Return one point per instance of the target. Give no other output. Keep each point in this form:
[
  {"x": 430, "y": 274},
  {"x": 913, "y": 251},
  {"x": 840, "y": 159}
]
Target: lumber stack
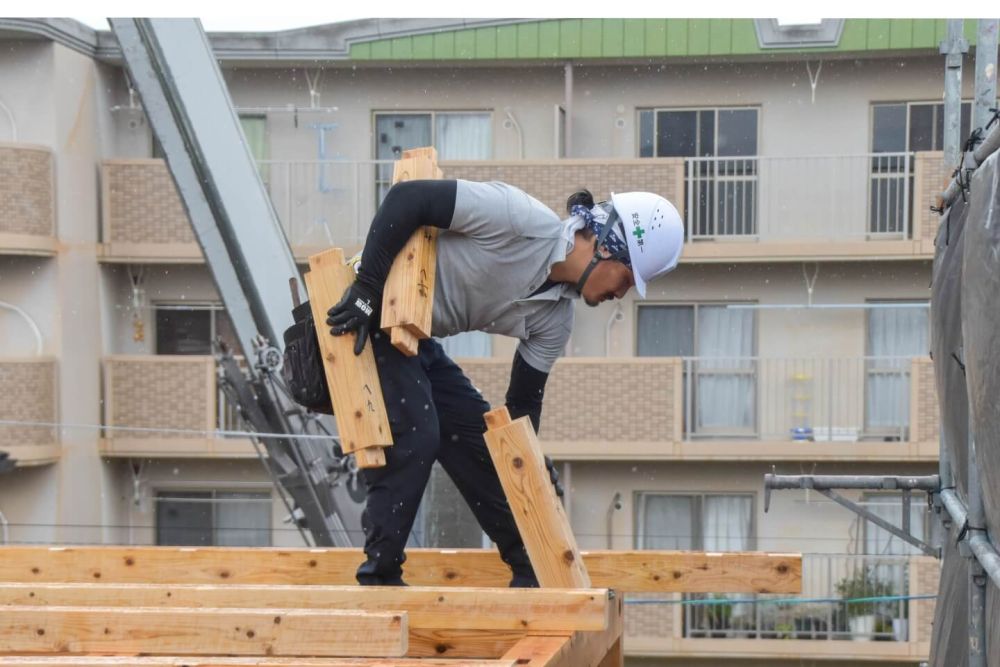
[{"x": 105, "y": 623}]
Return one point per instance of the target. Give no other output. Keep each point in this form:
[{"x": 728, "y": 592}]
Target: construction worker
[{"x": 506, "y": 264}]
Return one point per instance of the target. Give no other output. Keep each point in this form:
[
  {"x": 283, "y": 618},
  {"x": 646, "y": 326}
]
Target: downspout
[
  {"x": 4, "y": 536},
  {"x": 568, "y": 105}
]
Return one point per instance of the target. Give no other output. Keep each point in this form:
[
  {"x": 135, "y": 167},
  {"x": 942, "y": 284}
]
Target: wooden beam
[
  {"x": 145, "y": 630},
  {"x": 213, "y": 661},
  {"x": 408, "y": 297},
  {"x": 445, "y": 643},
  {"x": 589, "y": 649},
  {"x": 625, "y": 571},
  {"x": 453, "y": 608},
  {"x": 539, "y": 515},
  {"x": 362, "y": 421}
]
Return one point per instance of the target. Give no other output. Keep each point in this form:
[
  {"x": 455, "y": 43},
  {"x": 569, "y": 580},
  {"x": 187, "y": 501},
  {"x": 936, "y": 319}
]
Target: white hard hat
[{"x": 654, "y": 233}]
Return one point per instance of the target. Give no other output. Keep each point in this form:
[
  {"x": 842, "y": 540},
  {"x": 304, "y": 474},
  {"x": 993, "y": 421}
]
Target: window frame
[
  {"x": 433, "y": 113},
  {"x": 214, "y": 308},
  {"x": 637, "y": 306},
  {"x": 160, "y": 489},
  {"x": 915, "y": 503},
  {"x": 698, "y": 506},
  {"x": 697, "y": 109},
  {"x": 906, "y": 132}
]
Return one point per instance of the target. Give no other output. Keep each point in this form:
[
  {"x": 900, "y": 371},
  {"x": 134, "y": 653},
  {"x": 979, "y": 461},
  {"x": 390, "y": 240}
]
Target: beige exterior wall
[{"x": 605, "y": 101}]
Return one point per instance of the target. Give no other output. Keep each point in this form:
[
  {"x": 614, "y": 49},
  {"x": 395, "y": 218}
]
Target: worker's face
[{"x": 608, "y": 280}]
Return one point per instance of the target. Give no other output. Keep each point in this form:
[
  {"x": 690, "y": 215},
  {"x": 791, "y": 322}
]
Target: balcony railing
[
  {"x": 818, "y": 612},
  {"x": 325, "y": 202},
  {"x": 168, "y": 405},
  {"x": 859, "y": 197},
  {"x": 893, "y": 604},
  {"x": 846, "y": 400}
]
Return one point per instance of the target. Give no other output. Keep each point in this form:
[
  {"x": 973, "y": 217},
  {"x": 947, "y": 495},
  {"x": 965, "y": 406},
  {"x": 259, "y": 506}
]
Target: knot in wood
[
  {"x": 568, "y": 556},
  {"x": 517, "y": 462}
]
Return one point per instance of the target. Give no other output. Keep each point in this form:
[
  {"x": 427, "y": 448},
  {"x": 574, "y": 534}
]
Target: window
[
  {"x": 721, "y": 178},
  {"x": 889, "y": 506},
  {"x": 898, "y": 129},
  {"x": 718, "y": 343},
  {"x": 213, "y": 518},
  {"x": 897, "y": 331},
  {"x": 465, "y": 135},
  {"x": 694, "y": 522},
  {"x": 913, "y": 126},
  {"x": 189, "y": 328}
]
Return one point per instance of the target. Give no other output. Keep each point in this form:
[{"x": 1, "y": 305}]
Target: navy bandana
[{"x": 614, "y": 241}]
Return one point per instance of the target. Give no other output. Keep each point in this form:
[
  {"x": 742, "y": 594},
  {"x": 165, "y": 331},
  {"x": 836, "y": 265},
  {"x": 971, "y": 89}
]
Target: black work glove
[
  {"x": 554, "y": 476},
  {"x": 354, "y": 313}
]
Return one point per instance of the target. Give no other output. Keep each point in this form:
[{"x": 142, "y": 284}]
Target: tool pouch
[{"x": 303, "y": 370}]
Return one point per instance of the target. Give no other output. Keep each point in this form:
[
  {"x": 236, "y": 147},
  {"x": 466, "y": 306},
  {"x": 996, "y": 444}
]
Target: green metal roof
[{"x": 640, "y": 38}]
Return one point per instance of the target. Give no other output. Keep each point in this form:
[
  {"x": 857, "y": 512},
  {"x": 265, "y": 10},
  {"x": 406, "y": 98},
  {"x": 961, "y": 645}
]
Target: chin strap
[{"x": 613, "y": 219}]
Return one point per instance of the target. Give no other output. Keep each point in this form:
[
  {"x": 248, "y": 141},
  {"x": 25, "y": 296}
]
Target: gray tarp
[{"x": 965, "y": 323}]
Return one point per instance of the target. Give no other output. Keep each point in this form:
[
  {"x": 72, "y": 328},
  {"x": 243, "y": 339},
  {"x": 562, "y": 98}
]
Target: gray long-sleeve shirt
[{"x": 499, "y": 249}]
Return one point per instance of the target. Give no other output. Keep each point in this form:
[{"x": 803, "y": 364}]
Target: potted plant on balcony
[{"x": 861, "y": 616}]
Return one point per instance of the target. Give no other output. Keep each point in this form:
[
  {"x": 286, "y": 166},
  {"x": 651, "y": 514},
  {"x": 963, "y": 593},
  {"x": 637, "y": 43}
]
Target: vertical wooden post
[
  {"x": 408, "y": 298},
  {"x": 540, "y": 516},
  {"x": 355, "y": 390}
]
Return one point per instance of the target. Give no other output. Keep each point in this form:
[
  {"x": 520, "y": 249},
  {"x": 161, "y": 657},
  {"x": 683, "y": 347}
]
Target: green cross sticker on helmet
[{"x": 656, "y": 236}]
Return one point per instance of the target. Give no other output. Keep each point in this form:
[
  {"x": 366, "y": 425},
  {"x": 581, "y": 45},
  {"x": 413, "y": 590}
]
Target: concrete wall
[{"x": 605, "y": 102}]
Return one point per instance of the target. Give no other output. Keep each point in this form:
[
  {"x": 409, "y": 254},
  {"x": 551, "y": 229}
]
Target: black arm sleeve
[
  {"x": 408, "y": 206},
  {"x": 526, "y": 391}
]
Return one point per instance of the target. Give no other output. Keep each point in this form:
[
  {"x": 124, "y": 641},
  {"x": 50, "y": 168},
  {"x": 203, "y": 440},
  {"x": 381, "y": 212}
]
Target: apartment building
[{"x": 793, "y": 336}]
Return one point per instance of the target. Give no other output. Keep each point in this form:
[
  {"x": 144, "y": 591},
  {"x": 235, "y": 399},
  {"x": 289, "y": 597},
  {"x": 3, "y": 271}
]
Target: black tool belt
[{"x": 303, "y": 370}]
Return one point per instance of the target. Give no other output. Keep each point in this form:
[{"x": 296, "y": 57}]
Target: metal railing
[
  {"x": 853, "y": 197},
  {"x": 849, "y": 399},
  {"x": 325, "y": 202},
  {"x": 819, "y": 612}
]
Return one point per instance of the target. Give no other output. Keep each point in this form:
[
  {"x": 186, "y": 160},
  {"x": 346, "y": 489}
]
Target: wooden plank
[
  {"x": 183, "y": 630},
  {"x": 404, "y": 340},
  {"x": 216, "y": 661},
  {"x": 625, "y": 571},
  {"x": 446, "y": 643},
  {"x": 455, "y": 608},
  {"x": 362, "y": 420},
  {"x": 592, "y": 649},
  {"x": 408, "y": 297},
  {"x": 539, "y": 651},
  {"x": 539, "y": 515}
]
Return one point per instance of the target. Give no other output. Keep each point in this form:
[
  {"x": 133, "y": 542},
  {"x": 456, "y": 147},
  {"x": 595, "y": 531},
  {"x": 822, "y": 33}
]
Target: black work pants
[{"x": 435, "y": 414}]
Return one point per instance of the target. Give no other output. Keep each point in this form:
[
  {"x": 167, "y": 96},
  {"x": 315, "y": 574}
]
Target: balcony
[
  {"x": 873, "y": 206},
  {"x": 27, "y": 200},
  {"x": 30, "y": 390},
  {"x": 168, "y": 407},
  {"x": 761, "y": 409},
  {"x": 735, "y": 209},
  {"x": 812, "y": 625},
  {"x": 319, "y": 204},
  {"x": 861, "y": 409}
]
